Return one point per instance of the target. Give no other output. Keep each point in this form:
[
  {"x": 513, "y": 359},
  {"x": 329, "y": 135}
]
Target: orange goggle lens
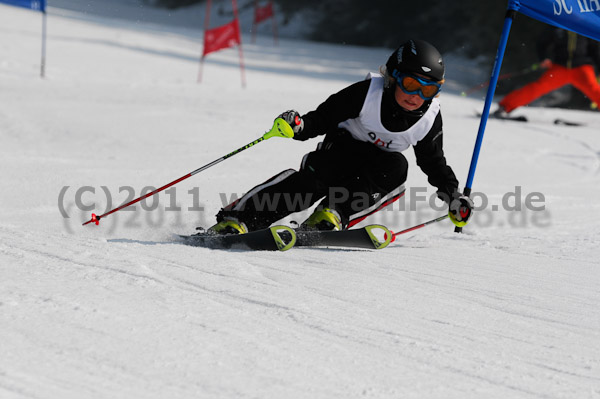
[{"x": 411, "y": 84}]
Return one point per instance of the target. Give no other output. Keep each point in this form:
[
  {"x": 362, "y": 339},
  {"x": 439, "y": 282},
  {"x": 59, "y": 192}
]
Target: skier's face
[{"x": 409, "y": 102}]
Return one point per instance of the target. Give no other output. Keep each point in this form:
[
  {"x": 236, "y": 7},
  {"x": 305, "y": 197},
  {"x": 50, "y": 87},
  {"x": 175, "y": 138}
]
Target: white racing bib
[{"x": 368, "y": 127}]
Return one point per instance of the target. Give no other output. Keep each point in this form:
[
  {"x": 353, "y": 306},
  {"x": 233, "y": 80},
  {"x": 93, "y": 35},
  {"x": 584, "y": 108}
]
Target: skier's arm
[
  {"x": 343, "y": 105},
  {"x": 430, "y": 158}
]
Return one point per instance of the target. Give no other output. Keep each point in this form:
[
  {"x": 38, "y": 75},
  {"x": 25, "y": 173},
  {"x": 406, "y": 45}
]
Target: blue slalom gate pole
[{"x": 513, "y": 7}]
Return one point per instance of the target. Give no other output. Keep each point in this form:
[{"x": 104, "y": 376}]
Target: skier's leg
[
  {"x": 285, "y": 193},
  {"x": 289, "y": 191},
  {"x": 584, "y": 79},
  {"x": 370, "y": 180}
]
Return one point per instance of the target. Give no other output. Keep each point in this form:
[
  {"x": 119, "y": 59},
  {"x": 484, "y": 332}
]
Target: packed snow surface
[{"x": 508, "y": 309}]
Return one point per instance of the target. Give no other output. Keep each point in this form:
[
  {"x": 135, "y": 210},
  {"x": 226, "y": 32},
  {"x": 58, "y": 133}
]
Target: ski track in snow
[
  {"x": 572, "y": 159},
  {"x": 506, "y": 310}
]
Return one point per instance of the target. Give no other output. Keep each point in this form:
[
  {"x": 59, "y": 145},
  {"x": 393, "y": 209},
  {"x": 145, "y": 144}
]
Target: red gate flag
[
  {"x": 263, "y": 13},
  {"x": 224, "y": 36}
]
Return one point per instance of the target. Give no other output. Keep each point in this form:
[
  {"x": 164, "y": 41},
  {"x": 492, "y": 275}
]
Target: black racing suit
[{"x": 351, "y": 176}]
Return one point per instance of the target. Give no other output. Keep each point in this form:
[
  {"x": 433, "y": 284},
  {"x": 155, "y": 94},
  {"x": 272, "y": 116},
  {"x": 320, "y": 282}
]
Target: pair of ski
[{"x": 282, "y": 238}]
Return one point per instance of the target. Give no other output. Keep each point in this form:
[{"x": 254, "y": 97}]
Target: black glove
[
  {"x": 292, "y": 117},
  {"x": 461, "y": 209}
]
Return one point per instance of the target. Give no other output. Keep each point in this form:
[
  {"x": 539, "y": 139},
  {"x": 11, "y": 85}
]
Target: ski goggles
[{"x": 412, "y": 84}]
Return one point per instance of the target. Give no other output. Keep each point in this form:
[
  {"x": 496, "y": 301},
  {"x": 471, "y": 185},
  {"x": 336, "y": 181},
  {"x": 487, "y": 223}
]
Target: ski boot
[
  {"x": 228, "y": 226},
  {"x": 500, "y": 113},
  {"x": 323, "y": 219}
]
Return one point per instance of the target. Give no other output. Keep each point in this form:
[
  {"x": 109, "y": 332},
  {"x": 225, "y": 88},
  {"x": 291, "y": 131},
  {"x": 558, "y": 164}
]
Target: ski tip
[
  {"x": 377, "y": 230},
  {"x": 284, "y": 236}
]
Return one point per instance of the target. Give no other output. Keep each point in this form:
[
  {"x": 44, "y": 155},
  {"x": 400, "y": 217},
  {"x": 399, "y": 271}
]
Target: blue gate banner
[
  {"x": 579, "y": 16},
  {"x": 31, "y": 4}
]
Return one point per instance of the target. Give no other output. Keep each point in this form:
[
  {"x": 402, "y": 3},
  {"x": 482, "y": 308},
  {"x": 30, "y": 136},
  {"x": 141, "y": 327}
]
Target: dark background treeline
[
  {"x": 471, "y": 26},
  {"x": 468, "y": 27}
]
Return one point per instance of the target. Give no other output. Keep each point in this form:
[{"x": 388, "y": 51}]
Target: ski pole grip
[
  {"x": 280, "y": 129},
  {"x": 467, "y": 192}
]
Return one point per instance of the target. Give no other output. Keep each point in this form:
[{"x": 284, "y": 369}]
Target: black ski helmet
[{"x": 416, "y": 56}]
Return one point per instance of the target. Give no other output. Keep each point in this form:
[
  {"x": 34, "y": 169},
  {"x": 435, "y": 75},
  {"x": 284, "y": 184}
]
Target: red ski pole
[
  {"x": 419, "y": 226},
  {"x": 280, "y": 129}
]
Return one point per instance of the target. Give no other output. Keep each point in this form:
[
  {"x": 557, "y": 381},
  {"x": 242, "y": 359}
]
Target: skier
[
  {"x": 359, "y": 168},
  {"x": 568, "y": 59}
]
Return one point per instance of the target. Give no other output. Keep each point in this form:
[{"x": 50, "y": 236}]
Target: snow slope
[{"x": 509, "y": 309}]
